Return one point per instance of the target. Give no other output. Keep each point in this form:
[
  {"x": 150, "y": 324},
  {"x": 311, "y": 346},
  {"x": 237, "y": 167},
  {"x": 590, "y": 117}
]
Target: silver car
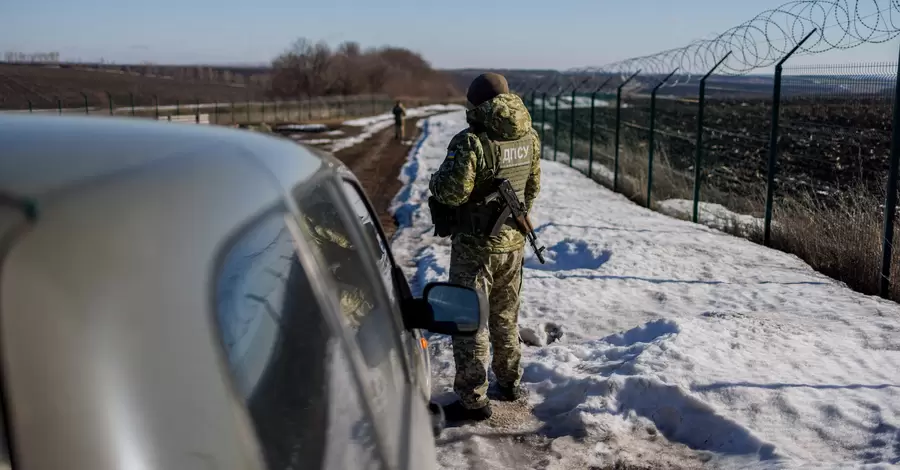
[{"x": 175, "y": 296}]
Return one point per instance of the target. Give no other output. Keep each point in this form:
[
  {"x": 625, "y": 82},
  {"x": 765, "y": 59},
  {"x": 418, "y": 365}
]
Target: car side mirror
[{"x": 448, "y": 309}]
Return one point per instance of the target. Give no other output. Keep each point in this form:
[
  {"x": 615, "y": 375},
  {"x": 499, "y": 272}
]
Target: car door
[
  {"x": 341, "y": 243},
  {"x": 285, "y": 356},
  {"x": 412, "y": 340}
]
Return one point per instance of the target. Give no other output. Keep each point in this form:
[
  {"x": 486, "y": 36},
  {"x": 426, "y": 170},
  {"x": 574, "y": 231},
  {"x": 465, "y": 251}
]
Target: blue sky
[{"x": 461, "y": 33}]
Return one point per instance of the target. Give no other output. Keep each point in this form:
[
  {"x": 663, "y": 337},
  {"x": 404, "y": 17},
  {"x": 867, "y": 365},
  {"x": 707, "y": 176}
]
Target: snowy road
[{"x": 681, "y": 346}]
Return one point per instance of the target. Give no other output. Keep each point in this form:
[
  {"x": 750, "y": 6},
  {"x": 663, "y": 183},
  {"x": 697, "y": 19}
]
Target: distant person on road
[
  {"x": 499, "y": 143},
  {"x": 399, "y": 113}
]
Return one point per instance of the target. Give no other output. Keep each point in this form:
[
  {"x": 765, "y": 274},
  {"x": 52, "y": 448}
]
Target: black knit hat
[{"x": 485, "y": 87}]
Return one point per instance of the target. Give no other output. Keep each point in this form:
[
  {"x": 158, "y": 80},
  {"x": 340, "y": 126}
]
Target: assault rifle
[{"x": 512, "y": 209}]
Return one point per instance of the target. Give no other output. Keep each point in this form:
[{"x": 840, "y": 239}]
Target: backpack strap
[{"x": 490, "y": 152}]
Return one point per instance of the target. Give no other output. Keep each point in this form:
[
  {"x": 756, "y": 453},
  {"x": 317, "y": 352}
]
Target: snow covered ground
[
  {"x": 712, "y": 215},
  {"x": 373, "y": 125},
  {"x": 681, "y": 346},
  {"x": 565, "y": 102}
]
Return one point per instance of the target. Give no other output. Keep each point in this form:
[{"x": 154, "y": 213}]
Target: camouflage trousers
[
  {"x": 398, "y": 130},
  {"x": 499, "y": 276}
]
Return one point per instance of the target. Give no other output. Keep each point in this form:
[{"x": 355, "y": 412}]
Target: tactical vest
[{"x": 510, "y": 160}]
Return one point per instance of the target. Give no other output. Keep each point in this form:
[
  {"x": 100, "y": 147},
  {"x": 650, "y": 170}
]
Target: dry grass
[
  {"x": 839, "y": 236},
  {"x": 633, "y": 174}
]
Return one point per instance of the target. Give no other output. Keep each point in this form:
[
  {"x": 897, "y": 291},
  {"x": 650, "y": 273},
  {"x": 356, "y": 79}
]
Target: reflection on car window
[
  {"x": 366, "y": 310},
  {"x": 371, "y": 232},
  {"x": 280, "y": 352}
]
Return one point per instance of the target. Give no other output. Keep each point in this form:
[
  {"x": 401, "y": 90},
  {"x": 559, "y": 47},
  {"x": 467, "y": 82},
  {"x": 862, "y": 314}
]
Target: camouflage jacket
[
  {"x": 503, "y": 118},
  {"x": 399, "y": 112}
]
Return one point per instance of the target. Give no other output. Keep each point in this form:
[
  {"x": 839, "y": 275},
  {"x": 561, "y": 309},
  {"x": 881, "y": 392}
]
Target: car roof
[
  {"x": 43, "y": 154},
  {"x": 116, "y": 280}
]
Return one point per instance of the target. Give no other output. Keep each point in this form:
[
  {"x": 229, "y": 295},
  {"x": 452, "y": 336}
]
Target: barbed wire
[{"x": 763, "y": 40}]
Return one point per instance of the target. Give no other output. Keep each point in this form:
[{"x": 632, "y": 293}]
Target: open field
[
  {"x": 825, "y": 146},
  {"x": 43, "y": 85}
]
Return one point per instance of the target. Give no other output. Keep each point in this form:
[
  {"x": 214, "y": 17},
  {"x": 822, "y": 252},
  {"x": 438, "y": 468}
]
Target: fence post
[
  {"x": 543, "y": 120},
  {"x": 572, "y": 128},
  {"x": 533, "y": 96},
  {"x": 156, "y": 104},
  {"x": 110, "y": 100},
  {"x": 556, "y": 126},
  {"x": 591, "y": 142},
  {"x": 698, "y": 159},
  {"x": 59, "y": 104},
  {"x": 618, "y": 129},
  {"x": 197, "y": 110},
  {"x": 131, "y": 102},
  {"x": 30, "y": 107},
  {"x": 653, "y": 134},
  {"x": 83, "y": 95},
  {"x": 773, "y": 141},
  {"x": 890, "y": 203}
]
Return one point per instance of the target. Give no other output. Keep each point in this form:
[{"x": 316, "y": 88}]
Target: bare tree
[{"x": 314, "y": 69}]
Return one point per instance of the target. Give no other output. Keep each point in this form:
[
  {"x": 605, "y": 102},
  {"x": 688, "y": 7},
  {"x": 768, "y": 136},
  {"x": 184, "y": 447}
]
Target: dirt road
[{"x": 376, "y": 162}]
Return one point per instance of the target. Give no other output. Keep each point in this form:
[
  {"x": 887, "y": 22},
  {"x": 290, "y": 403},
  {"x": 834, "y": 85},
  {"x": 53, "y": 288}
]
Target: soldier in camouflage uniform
[
  {"x": 399, "y": 113},
  {"x": 499, "y": 143}
]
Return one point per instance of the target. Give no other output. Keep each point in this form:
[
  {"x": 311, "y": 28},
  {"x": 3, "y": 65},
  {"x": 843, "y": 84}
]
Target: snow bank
[
  {"x": 314, "y": 141},
  {"x": 680, "y": 346},
  {"x": 302, "y": 127},
  {"x": 375, "y": 124},
  {"x": 712, "y": 215},
  {"x": 413, "y": 112},
  {"x": 565, "y": 102}
]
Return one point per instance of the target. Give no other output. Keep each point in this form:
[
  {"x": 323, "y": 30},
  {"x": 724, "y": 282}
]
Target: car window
[
  {"x": 418, "y": 359},
  {"x": 368, "y": 222},
  {"x": 332, "y": 229},
  {"x": 282, "y": 356}
]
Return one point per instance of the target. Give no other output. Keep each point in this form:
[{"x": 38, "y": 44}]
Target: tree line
[{"x": 309, "y": 68}]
